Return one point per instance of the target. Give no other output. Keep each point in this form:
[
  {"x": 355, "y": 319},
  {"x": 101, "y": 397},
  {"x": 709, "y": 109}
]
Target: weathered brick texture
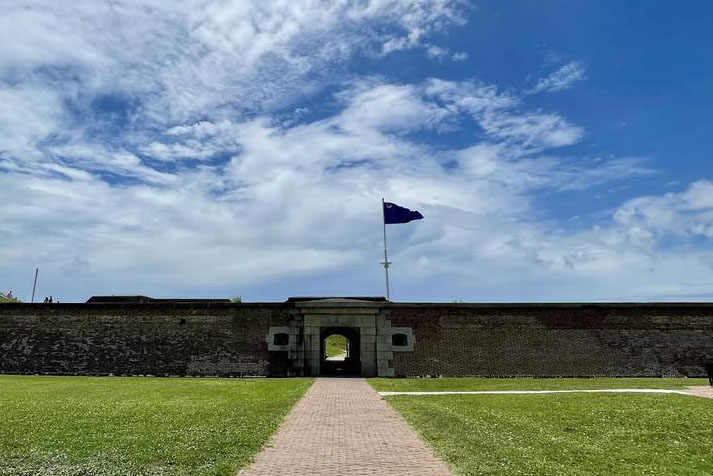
[
  {"x": 140, "y": 339},
  {"x": 555, "y": 340},
  {"x": 223, "y": 339}
]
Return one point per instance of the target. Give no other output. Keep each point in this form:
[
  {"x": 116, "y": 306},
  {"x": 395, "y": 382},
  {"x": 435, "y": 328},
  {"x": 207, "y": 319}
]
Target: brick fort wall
[
  {"x": 140, "y": 339},
  {"x": 225, "y": 339},
  {"x": 554, "y": 340}
]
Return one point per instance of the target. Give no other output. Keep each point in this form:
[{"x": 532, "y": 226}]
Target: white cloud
[
  {"x": 188, "y": 57},
  {"x": 440, "y": 53},
  {"x": 501, "y": 116},
  {"x": 436, "y": 52},
  {"x": 98, "y": 159},
  {"x": 190, "y": 180},
  {"x": 28, "y": 115},
  {"x": 687, "y": 214},
  {"x": 533, "y": 130},
  {"x": 460, "y": 56},
  {"x": 302, "y": 200},
  {"x": 392, "y": 107},
  {"x": 564, "y": 78}
]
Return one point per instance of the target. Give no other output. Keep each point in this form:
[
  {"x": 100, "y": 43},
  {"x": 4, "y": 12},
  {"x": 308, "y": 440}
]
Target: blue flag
[{"x": 396, "y": 214}]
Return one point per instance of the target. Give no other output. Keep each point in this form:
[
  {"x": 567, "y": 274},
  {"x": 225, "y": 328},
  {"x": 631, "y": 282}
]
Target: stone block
[
  {"x": 367, "y": 338},
  {"x": 386, "y": 372}
]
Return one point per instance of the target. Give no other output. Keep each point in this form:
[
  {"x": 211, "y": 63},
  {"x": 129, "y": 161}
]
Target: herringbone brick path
[{"x": 343, "y": 427}]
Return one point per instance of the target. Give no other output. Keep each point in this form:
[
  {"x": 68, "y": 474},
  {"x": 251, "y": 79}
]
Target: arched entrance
[{"x": 338, "y": 363}]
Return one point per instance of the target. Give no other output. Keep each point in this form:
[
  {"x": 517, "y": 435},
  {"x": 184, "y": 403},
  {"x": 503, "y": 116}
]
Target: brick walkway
[{"x": 343, "y": 427}]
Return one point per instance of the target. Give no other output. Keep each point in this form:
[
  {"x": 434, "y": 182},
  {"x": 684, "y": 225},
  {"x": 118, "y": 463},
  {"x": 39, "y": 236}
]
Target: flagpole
[
  {"x": 386, "y": 262},
  {"x": 34, "y": 285}
]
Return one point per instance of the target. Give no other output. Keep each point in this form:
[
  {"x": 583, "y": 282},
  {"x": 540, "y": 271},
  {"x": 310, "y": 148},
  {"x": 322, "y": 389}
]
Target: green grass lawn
[
  {"x": 137, "y": 426},
  {"x": 466, "y": 384},
  {"x": 574, "y": 434},
  {"x": 335, "y": 345}
]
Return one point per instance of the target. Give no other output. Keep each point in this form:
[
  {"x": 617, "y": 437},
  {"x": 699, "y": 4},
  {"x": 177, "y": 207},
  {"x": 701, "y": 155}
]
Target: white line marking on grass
[{"x": 539, "y": 392}]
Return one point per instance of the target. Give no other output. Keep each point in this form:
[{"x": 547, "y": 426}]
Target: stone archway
[
  {"x": 351, "y": 364},
  {"x": 364, "y": 321}
]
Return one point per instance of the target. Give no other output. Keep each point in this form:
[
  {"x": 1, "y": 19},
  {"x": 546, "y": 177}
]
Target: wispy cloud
[
  {"x": 460, "y": 56},
  {"x": 303, "y": 194},
  {"x": 225, "y": 57},
  {"x": 688, "y": 214},
  {"x": 169, "y": 149},
  {"x": 562, "y": 79}
]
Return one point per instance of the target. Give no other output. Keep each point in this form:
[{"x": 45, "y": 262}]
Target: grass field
[
  {"x": 137, "y": 426},
  {"x": 574, "y": 434},
  {"x": 335, "y": 345},
  {"x": 472, "y": 384}
]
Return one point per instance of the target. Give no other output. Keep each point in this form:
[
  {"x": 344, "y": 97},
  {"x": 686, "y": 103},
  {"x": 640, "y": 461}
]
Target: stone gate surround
[{"x": 369, "y": 317}]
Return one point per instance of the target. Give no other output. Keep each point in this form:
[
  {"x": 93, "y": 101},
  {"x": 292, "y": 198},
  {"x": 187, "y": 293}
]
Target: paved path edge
[{"x": 705, "y": 392}]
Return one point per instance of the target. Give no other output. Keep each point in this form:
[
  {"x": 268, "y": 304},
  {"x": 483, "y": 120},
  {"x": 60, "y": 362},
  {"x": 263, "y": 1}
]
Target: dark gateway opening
[{"x": 346, "y": 365}]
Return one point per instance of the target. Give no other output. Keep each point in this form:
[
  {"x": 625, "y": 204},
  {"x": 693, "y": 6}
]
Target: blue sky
[{"x": 559, "y": 150}]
